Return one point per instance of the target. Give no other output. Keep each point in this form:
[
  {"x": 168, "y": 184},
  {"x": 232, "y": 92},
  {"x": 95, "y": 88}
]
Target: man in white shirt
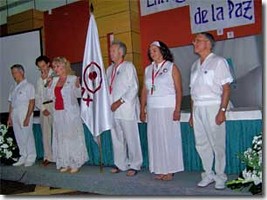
[
  {"x": 45, "y": 106},
  {"x": 123, "y": 89},
  {"x": 21, "y": 98},
  {"x": 210, "y": 91}
]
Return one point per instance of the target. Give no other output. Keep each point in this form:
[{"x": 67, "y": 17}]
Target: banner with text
[
  {"x": 216, "y": 15},
  {"x": 153, "y": 6}
]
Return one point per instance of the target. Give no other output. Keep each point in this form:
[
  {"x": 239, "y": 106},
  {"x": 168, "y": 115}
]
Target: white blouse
[{"x": 163, "y": 94}]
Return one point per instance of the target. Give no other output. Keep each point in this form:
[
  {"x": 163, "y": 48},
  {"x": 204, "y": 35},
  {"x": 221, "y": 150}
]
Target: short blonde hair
[{"x": 66, "y": 63}]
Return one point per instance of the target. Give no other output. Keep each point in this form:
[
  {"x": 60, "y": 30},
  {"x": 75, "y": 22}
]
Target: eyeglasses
[{"x": 196, "y": 41}]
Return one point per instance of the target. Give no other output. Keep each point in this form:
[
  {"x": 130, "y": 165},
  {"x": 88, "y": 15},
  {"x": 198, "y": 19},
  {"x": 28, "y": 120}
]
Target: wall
[
  {"x": 13, "y": 7},
  {"x": 65, "y": 30},
  {"x": 120, "y": 18},
  {"x": 173, "y": 28}
]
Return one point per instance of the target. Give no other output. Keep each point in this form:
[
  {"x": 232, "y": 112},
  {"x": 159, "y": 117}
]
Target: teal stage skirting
[{"x": 239, "y": 135}]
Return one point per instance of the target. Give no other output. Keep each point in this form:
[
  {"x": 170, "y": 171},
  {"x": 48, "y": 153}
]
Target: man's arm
[
  {"x": 29, "y": 112},
  {"x": 220, "y": 117},
  {"x": 143, "y": 102},
  {"x": 9, "y": 121}
]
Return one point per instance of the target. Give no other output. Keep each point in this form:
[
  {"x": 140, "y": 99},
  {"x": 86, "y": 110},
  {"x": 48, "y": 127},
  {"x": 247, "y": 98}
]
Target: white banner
[
  {"x": 153, "y": 6},
  {"x": 209, "y": 15},
  {"x": 95, "y": 106}
]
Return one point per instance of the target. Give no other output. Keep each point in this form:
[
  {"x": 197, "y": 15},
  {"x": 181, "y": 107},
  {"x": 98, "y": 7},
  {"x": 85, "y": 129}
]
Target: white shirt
[
  {"x": 20, "y": 95},
  {"x": 125, "y": 86},
  {"x": 207, "y": 79},
  {"x": 40, "y": 96},
  {"x": 164, "y": 94}
]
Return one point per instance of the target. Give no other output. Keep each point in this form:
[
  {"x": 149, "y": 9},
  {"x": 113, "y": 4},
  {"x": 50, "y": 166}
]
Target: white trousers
[
  {"x": 46, "y": 126},
  {"x": 126, "y": 145},
  {"x": 24, "y": 136},
  {"x": 210, "y": 140}
]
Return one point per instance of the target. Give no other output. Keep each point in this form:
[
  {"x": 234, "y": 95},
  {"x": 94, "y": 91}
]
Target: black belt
[{"x": 47, "y": 102}]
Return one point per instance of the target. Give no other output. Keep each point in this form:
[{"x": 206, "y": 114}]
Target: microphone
[{"x": 52, "y": 75}]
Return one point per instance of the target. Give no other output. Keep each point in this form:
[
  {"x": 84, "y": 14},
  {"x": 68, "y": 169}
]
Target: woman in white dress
[
  {"x": 69, "y": 148},
  {"x": 160, "y": 106}
]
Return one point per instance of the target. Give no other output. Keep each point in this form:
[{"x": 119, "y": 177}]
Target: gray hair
[
  {"x": 209, "y": 37},
  {"x": 121, "y": 45},
  {"x": 18, "y": 67}
]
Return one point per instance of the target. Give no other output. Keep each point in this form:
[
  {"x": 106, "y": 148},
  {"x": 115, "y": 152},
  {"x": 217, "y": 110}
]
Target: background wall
[
  {"x": 173, "y": 28},
  {"x": 65, "y": 30}
]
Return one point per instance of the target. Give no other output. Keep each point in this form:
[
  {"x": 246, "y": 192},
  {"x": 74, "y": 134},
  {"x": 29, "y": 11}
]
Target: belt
[{"x": 47, "y": 102}]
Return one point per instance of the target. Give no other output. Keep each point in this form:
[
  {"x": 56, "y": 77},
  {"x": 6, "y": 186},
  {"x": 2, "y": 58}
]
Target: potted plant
[
  {"x": 251, "y": 177},
  {"x": 8, "y": 147}
]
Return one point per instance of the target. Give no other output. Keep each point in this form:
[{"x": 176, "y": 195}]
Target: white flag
[{"x": 95, "y": 106}]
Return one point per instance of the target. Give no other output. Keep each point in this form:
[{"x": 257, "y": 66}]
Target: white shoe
[
  {"x": 220, "y": 184},
  {"x": 19, "y": 163},
  {"x": 205, "y": 182},
  {"x": 28, "y": 164}
]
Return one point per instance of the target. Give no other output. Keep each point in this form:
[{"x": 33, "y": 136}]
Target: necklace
[{"x": 154, "y": 75}]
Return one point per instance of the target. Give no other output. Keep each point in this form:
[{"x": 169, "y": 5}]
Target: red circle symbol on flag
[{"x": 92, "y": 77}]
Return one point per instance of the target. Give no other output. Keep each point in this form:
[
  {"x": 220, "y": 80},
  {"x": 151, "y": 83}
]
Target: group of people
[
  {"x": 56, "y": 97},
  {"x": 160, "y": 106}
]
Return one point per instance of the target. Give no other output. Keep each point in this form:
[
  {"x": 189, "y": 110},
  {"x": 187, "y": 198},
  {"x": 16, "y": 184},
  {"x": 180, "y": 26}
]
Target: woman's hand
[
  {"x": 176, "y": 115},
  {"x": 191, "y": 120},
  {"x": 143, "y": 116},
  {"x": 26, "y": 122}
]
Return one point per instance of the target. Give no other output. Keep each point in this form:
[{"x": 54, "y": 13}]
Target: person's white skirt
[
  {"x": 69, "y": 148},
  {"x": 164, "y": 141}
]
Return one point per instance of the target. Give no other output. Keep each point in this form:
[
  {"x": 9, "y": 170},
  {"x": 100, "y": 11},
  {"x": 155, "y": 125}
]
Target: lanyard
[
  {"x": 154, "y": 76},
  {"x": 113, "y": 74}
]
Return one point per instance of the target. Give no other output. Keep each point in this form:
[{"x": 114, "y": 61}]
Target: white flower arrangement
[
  {"x": 251, "y": 177},
  {"x": 7, "y": 145}
]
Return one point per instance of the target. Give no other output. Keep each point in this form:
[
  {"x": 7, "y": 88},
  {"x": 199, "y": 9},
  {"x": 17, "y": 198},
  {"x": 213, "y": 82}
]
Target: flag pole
[
  {"x": 98, "y": 137},
  {"x": 100, "y": 153}
]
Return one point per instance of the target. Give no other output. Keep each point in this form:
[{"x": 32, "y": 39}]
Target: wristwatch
[
  {"x": 121, "y": 100},
  {"x": 223, "y": 109}
]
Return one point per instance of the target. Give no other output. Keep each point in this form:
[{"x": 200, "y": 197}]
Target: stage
[
  {"x": 91, "y": 179},
  {"x": 241, "y": 126}
]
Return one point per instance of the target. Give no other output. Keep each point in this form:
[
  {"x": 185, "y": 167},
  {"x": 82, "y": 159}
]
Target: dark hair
[
  {"x": 165, "y": 51},
  {"x": 209, "y": 37},
  {"x": 42, "y": 58},
  {"x": 17, "y": 66}
]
